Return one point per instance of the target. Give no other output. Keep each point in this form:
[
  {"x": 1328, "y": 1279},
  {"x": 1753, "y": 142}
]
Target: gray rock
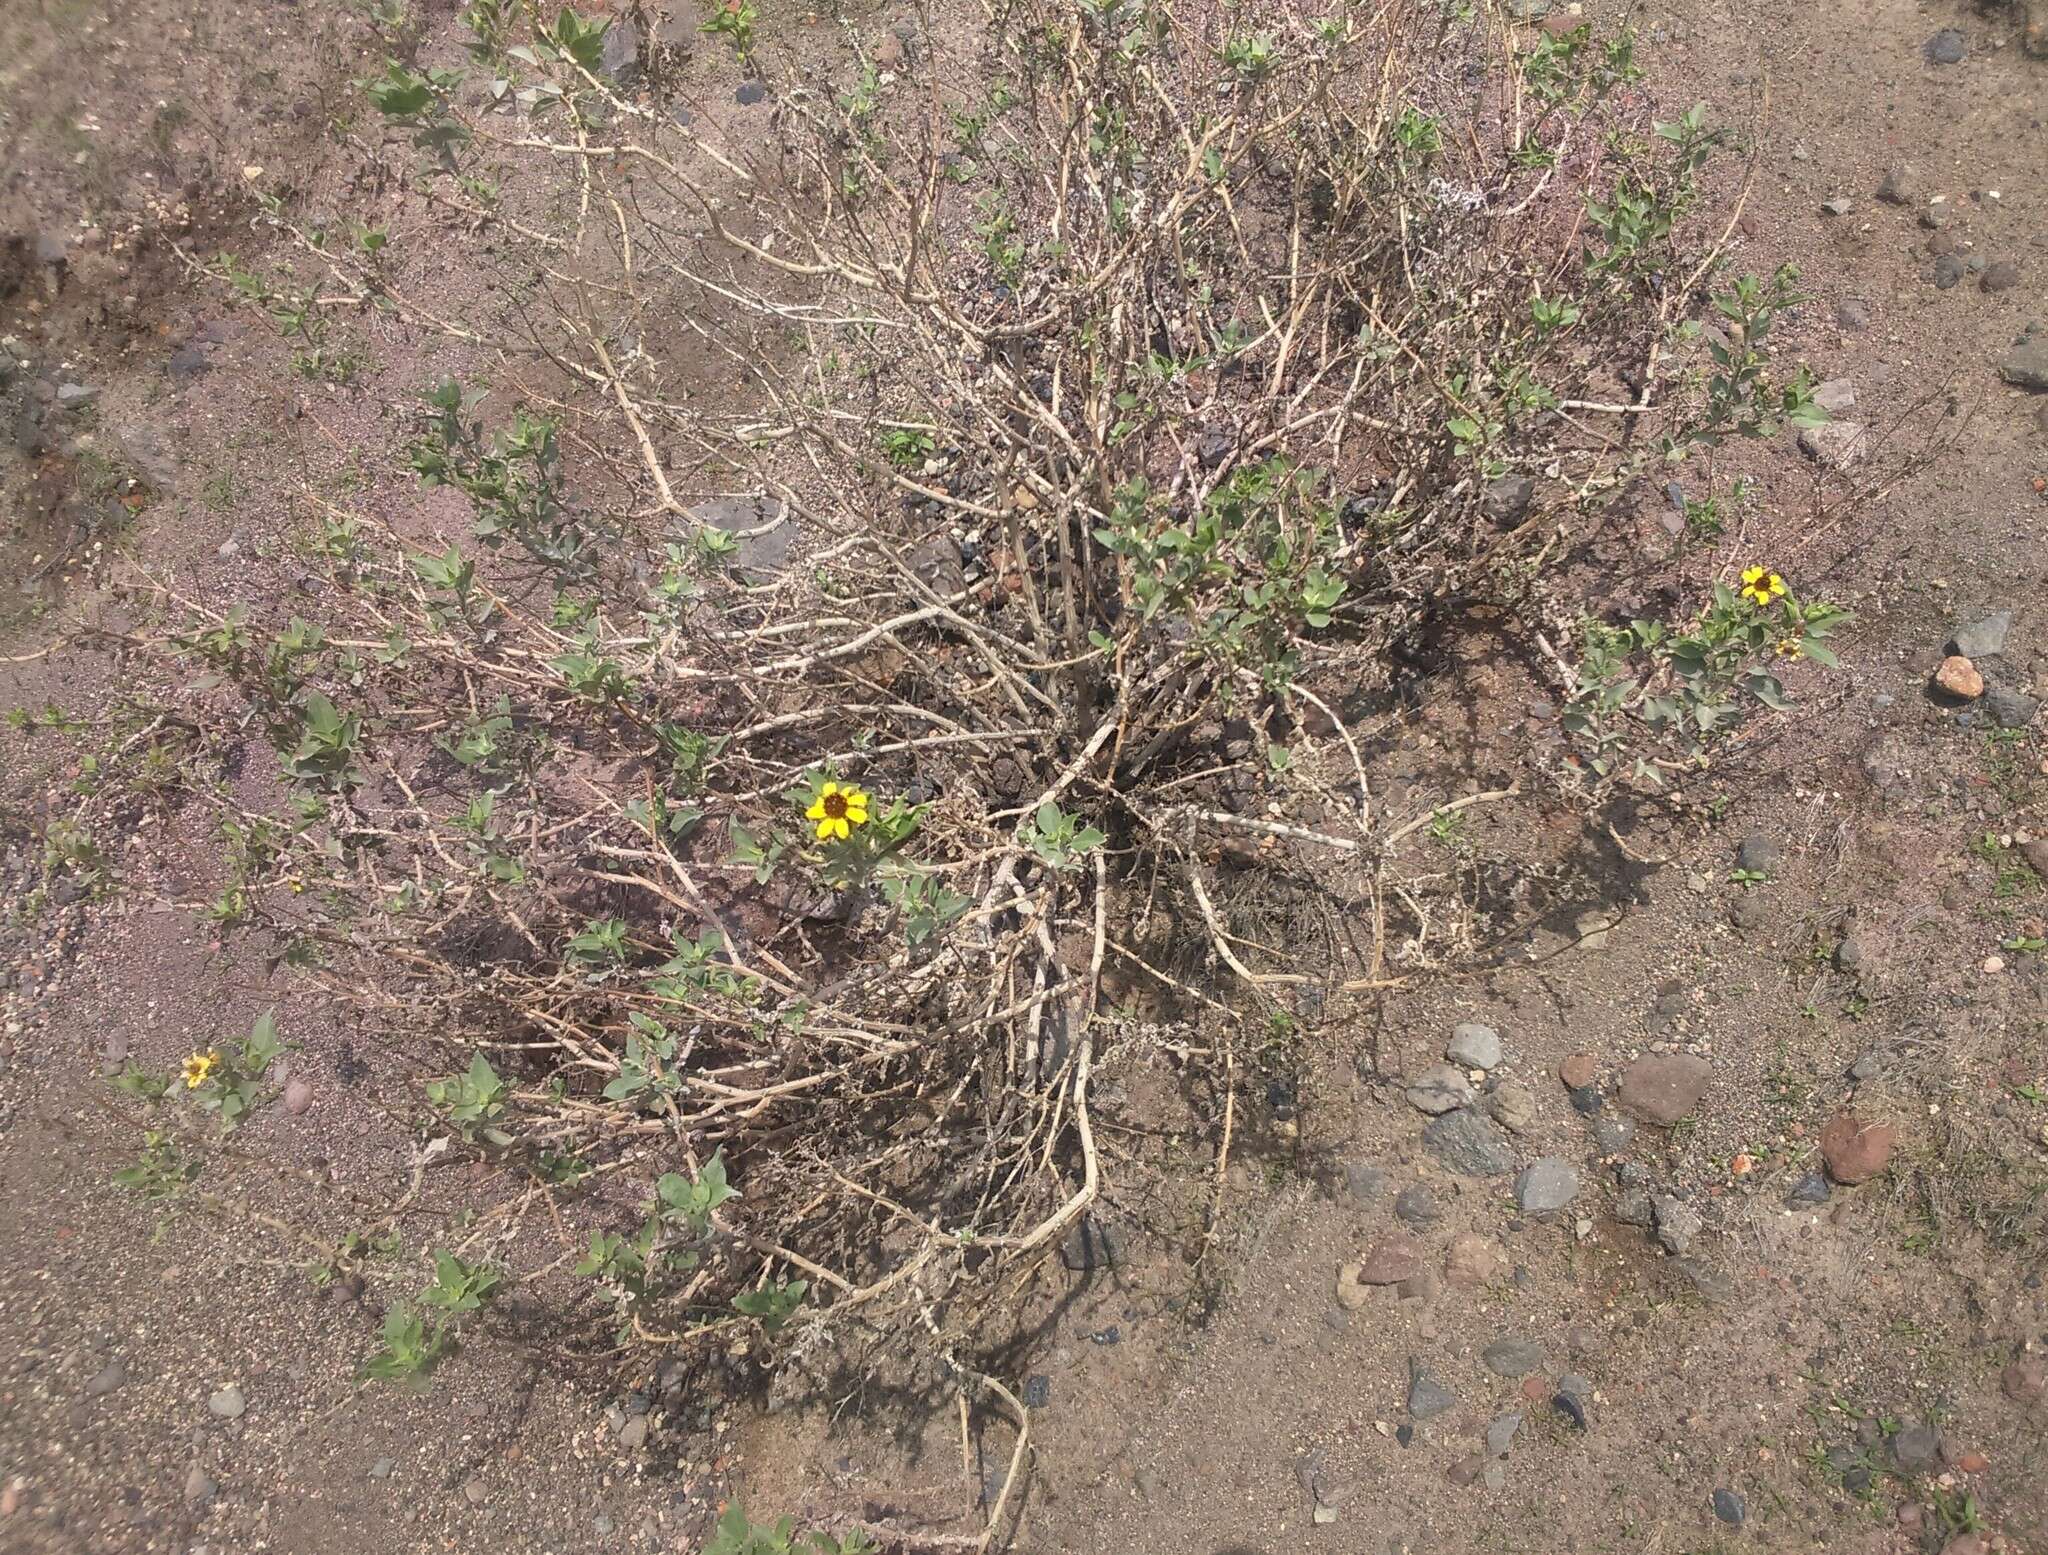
[
  {"x": 1091, "y": 1245},
  {"x": 1901, "y": 185},
  {"x": 1840, "y": 205},
  {"x": 1474, "y": 1046},
  {"x": 1849, "y": 955},
  {"x": 2000, "y": 275},
  {"x": 228, "y": 1403},
  {"x": 1916, "y": 1449},
  {"x": 1513, "y": 1357},
  {"x": 1948, "y": 270},
  {"x": 621, "y": 57},
  {"x": 75, "y": 396},
  {"x": 198, "y": 1488},
  {"x": 1427, "y": 1397},
  {"x": 107, "y": 1378},
  {"x": 601, "y": 1524},
  {"x": 1500, "y": 1433},
  {"x": 2026, "y": 364},
  {"x": 27, "y": 432},
  {"x": 1852, "y": 314},
  {"x": 1836, "y": 445},
  {"x": 1835, "y": 396},
  {"x": 1613, "y": 1135},
  {"x": 1364, "y": 1182},
  {"x": 1440, "y": 1089},
  {"x": 1983, "y": 637},
  {"x": 1748, "y": 910},
  {"x": 1632, "y": 1207},
  {"x": 939, "y": 565},
  {"x": 634, "y": 1436},
  {"x": 1507, "y": 499},
  {"x": 1494, "y": 1476},
  {"x": 1857, "y": 1473},
  {"x": 1759, "y": 853},
  {"x": 1678, "y": 1223},
  {"x": 1810, "y": 1190},
  {"x": 1546, "y": 1186},
  {"x": 298, "y": 1097},
  {"x": 382, "y": 1468},
  {"x": 475, "y": 1491},
  {"x": 1417, "y": 1207},
  {"x": 1709, "y": 1282},
  {"x": 2010, "y": 709},
  {"x": 1947, "y": 47},
  {"x": 1729, "y": 1508},
  {"x": 144, "y": 445},
  {"x": 1469, "y": 1144},
  {"x": 1868, "y": 1067}
]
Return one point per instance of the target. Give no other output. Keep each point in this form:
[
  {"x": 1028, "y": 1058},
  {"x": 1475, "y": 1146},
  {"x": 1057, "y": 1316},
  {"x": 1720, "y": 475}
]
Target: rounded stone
[
  {"x": 1474, "y": 1046},
  {"x": 1662, "y": 1088},
  {"x": 1546, "y": 1185}
]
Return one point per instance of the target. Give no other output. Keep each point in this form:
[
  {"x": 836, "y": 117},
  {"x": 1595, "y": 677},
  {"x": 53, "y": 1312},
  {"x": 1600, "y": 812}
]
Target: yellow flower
[
  {"x": 1761, "y": 587},
  {"x": 838, "y": 810},
  {"x": 1791, "y": 648},
  {"x": 198, "y": 1067}
]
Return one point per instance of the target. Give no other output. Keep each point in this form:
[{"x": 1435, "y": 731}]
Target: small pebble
[{"x": 228, "y": 1403}]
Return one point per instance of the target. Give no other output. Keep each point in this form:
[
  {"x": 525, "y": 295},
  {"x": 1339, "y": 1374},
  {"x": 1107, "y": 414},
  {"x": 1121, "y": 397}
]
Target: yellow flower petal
[
  {"x": 857, "y": 813},
  {"x": 816, "y": 811},
  {"x": 1751, "y": 575},
  {"x": 832, "y": 826},
  {"x": 829, "y": 788}
]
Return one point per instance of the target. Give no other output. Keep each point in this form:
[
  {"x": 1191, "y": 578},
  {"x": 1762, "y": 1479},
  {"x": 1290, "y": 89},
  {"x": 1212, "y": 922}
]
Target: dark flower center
[{"x": 835, "y": 806}]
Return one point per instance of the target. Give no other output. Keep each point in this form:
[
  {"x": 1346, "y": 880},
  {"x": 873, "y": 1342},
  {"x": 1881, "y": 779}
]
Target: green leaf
[
  {"x": 399, "y": 94},
  {"x": 1765, "y": 689}
]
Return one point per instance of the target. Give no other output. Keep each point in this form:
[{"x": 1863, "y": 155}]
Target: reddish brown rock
[
  {"x": 1959, "y": 678},
  {"x": 1855, "y": 1151},
  {"x": 1578, "y": 1071},
  {"x": 1663, "y": 1087},
  {"x": 1472, "y": 1260},
  {"x": 1391, "y": 1260}
]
